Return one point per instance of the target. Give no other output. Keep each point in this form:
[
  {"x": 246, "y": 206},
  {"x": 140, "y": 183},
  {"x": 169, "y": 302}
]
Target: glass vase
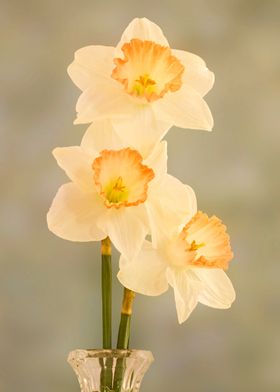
[{"x": 110, "y": 370}]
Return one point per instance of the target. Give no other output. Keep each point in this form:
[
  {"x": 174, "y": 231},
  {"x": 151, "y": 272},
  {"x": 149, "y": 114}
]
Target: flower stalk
[
  {"x": 124, "y": 328},
  {"x": 123, "y": 336},
  {"x": 106, "y": 276},
  {"x": 106, "y": 279}
]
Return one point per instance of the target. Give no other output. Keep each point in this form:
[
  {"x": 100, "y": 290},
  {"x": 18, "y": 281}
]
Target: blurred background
[{"x": 49, "y": 288}]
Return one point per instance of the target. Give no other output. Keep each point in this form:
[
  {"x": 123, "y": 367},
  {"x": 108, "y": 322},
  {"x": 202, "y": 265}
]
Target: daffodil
[
  {"x": 114, "y": 191},
  {"x": 191, "y": 262},
  {"x": 142, "y": 84}
]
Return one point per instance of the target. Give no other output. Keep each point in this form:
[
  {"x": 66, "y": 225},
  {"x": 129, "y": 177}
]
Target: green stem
[
  {"x": 123, "y": 336},
  {"x": 124, "y": 328},
  {"x": 106, "y": 274},
  {"x": 124, "y": 332},
  {"x": 106, "y": 293}
]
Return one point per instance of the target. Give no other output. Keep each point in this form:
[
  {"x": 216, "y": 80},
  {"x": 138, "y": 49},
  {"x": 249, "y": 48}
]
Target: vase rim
[{"x": 83, "y": 354}]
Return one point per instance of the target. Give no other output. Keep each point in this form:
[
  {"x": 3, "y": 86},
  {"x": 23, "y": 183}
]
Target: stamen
[
  {"x": 144, "y": 85},
  {"x": 116, "y": 191},
  {"x": 194, "y": 246}
]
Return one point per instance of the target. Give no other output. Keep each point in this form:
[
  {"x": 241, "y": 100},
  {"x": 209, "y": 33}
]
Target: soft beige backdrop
[{"x": 49, "y": 289}]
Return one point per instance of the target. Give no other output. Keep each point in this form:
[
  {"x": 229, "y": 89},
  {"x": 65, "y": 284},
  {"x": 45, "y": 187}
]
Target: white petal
[
  {"x": 101, "y": 136},
  {"x": 77, "y": 165},
  {"x": 73, "y": 214},
  {"x": 143, "y": 29},
  {"x": 170, "y": 206},
  {"x": 127, "y": 228},
  {"x": 185, "y": 109},
  {"x": 146, "y": 273},
  {"x": 217, "y": 290},
  {"x": 91, "y": 64},
  {"x": 142, "y": 130},
  {"x": 157, "y": 160},
  {"x": 186, "y": 290},
  {"x": 104, "y": 100},
  {"x": 196, "y": 74}
]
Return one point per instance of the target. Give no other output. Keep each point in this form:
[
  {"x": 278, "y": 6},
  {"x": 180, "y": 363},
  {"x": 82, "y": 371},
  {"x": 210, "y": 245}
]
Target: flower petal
[
  {"x": 91, "y": 64},
  {"x": 157, "y": 160},
  {"x": 127, "y": 228},
  {"x": 146, "y": 273},
  {"x": 104, "y": 100},
  {"x": 185, "y": 108},
  {"x": 77, "y": 165},
  {"x": 143, "y": 130},
  {"x": 217, "y": 290},
  {"x": 101, "y": 136},
  {"x": 144, "y": 29},
  {"x": 170, "y": 205},
  {"x": 196, "y": 74},
  {"x": 73, "y": 214},
  {"x": 186, "y": 289}
]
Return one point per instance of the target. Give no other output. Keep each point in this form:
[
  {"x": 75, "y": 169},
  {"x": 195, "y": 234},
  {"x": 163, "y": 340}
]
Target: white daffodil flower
[
  {"x": 114, "y": 191},
  {"x": 142, "y": 84},
  {"x": 191, "y": 262}
]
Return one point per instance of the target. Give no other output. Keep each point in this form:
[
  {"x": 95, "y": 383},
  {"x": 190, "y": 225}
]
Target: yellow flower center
[
  {"x": 148, "y": 70},
  {"x": 195, "y": 246},
  {"x": 144, "y": 86},
  {"x": 115, "y": 191},
  {"x": 121, "y": 178}
]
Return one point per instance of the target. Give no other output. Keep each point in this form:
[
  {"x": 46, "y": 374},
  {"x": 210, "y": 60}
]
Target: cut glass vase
[{"x": 110, "y": 370}]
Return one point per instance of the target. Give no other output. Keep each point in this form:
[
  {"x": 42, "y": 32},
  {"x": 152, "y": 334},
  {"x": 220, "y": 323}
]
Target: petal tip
[
  {"x": 56, "y": 152},
  {"x": 77, "y": 121},
  {"x": 209, "y": 127},
  {"x": 69, "y": 68}
]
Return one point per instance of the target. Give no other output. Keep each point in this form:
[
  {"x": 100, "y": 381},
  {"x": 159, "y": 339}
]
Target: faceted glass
[{"x": 110, "y": 370}]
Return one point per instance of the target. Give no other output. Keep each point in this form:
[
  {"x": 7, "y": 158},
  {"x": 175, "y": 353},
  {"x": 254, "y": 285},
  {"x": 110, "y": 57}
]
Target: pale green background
[{"x": 49, "y": 290}]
